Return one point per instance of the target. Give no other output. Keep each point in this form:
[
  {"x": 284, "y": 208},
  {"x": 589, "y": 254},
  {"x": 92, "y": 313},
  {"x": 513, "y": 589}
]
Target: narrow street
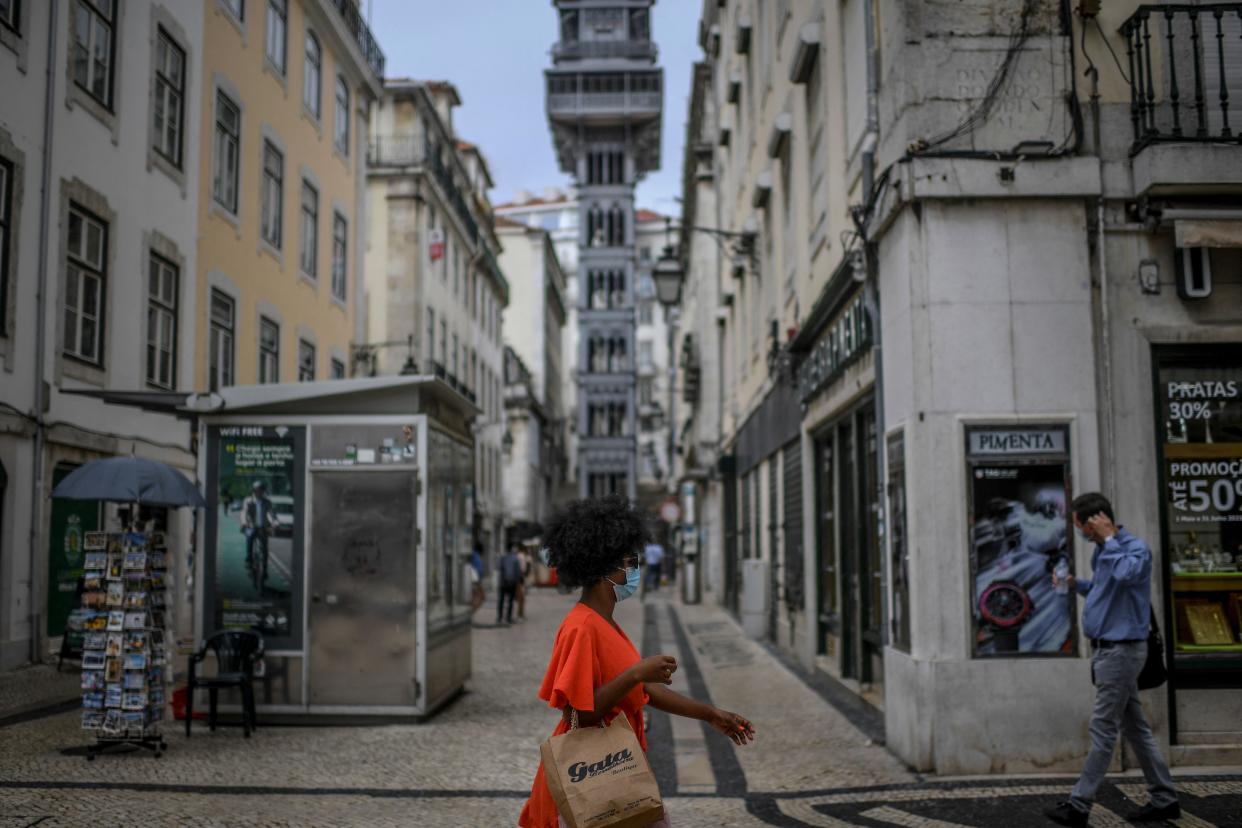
[{"x": 472, "y": 764}]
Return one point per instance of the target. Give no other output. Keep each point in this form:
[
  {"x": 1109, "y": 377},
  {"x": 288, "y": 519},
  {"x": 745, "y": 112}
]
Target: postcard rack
[{"x": 124, "y": 654}]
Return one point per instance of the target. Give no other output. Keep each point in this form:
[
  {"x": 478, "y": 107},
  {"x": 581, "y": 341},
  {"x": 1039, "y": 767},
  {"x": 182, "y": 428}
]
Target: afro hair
[{"x": 588, "y": 539}]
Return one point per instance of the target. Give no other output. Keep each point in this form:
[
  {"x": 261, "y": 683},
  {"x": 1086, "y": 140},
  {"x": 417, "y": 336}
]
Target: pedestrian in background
[
  {"x": 595, "y": 669},
  {"x": 476, "y": 578},
  {"x": 1116, "y": 617},
  {"x": 510, "y": 577},
  {"x": 525, "y": 560},
  {"x": 654, "y": 555}
]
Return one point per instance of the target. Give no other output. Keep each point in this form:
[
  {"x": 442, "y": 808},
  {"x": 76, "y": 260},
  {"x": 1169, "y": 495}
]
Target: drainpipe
[
  {"x": 871, "y": 299},
  {"x": 1107, "y": 428},
  {"x": 40, "y": 396}
]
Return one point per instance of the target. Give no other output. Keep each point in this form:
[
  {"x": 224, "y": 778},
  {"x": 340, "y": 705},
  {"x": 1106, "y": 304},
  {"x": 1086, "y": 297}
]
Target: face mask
[{"x": 632, "y": 579}]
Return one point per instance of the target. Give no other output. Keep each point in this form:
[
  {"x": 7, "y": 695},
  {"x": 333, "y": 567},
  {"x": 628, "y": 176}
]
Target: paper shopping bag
[{"x": 599, "y": 777}]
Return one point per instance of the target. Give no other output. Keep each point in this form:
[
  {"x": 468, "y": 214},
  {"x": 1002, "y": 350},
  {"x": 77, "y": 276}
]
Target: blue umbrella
[{"x": 130, "y": 480}]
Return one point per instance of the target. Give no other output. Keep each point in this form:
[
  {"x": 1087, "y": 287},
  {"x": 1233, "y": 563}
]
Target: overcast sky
[{"x": 495, "y": 52}]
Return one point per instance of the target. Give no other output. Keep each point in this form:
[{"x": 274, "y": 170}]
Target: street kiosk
[{"x": 339, "y": 527}]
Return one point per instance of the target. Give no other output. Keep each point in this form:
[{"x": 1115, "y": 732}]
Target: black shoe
[
  {"x": 1066, "y": 814},
  {"x": 1150, "y": 813}
]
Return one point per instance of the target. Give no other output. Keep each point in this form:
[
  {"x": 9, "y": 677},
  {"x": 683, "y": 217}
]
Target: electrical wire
[{"x": 1104, "y": 37}]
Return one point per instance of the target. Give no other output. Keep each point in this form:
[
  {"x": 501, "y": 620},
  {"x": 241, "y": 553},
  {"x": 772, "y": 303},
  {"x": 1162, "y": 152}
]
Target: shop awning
[
  {"x": 396, "y": 395},
  {"x": 164, "y": 402}
]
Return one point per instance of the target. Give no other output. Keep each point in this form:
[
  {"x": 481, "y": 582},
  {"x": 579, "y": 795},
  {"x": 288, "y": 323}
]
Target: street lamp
[{"x": 667, "y": 276}]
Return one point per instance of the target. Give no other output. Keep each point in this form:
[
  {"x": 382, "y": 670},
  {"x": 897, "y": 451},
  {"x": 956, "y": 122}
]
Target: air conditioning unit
[{"x": 1194, "y": 272}]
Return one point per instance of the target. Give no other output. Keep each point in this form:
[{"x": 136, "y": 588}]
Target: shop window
[{"x": 1199, "y": 398}]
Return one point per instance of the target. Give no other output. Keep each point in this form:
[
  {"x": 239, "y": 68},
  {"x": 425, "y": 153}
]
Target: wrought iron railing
[
  {"x": 639, "y": 49},
  {"x": 371, "y": 52},
  {"x": 1185, "y": 62},
  {"x": 394, "y": 151},
  {"x": 403, "y": 151}
]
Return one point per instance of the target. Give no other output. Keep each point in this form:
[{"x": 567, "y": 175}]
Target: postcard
[
  {"x": 158, "y": 540},
  {"x": 112, "y": 723},
  {"x": 135, "y": 560},
  {"x": 116, "y": 593},
  {"x": 135, "y": 661},
  {"x": 116, "y": 621},
  {"x": 113, "y": 670},
  {"x": 113, "y": 646},
  {"x": 92, "y": 680},
  {"x": 95, "y": 560},
  {"x": 112, "y": 695},
  {"x": 93, "y": 700},
  {"x": 159, "y": 560},
  {"x": 136, "y": 540},
  {"x": 95, "y": 621},
  {"x": 133, "y": 700},
  {"x": 94, "y": 599},
  {"x": 115, "y": 564},
  {"x": 92, "y": 719},
  {"x": 134, "y": 719},
  {"x": 93, "y": 660},
  {"x": 134, "y": 680},
  {"x": 135, "y": 620},
  {"x": 95, "y": 540},
  {"x": 94, "y": 641},
  {"x": 157, "y": 619},
  {"x": 115, "y": 544}
]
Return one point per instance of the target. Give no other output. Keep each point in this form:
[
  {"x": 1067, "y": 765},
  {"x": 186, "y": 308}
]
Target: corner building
[
  {"x": 1027, "y": 288},
  {"x": 604, "y": 105}
]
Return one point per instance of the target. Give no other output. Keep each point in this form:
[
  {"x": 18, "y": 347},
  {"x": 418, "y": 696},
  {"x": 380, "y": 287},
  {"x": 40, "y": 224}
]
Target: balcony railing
[
  {"x": 1184, "y": 61},
  {"x": 579, "y": 49},
  {"x": 371, "y": 52},
  {"x": 619, "y": 102},
  {"x": 402, "y": 151}
]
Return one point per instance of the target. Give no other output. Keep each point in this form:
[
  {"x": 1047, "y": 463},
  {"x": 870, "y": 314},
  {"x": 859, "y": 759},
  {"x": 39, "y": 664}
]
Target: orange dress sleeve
[{"x": 574, "y": 670}]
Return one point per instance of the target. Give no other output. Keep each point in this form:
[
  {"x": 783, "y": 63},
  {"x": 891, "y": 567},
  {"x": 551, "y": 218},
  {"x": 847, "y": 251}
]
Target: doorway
[
  {"x": 363, "y": 580},
  {"x": 848, "y": 554}
]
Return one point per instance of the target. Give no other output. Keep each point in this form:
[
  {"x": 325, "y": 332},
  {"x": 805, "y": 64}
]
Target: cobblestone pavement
[
  {"x": 36, "y": 687},
  {"x": 472, "y": 765}
]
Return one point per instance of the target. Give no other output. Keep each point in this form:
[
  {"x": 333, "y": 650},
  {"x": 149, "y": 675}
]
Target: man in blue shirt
[{"x": 1115, "y": 617}]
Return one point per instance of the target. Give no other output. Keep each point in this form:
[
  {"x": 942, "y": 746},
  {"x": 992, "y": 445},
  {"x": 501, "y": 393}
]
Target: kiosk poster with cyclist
[
  {"x": 254, "y": 567},
  {"x": 1019, "y": 533}
]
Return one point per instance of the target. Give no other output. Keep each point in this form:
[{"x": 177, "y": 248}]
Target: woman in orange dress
[{"x": 595, "y": 668}]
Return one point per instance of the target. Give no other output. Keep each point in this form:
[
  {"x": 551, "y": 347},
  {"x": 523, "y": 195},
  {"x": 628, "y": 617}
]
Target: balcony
[
  {"x": 371, "y": 52},
  {"x": 605, "y": 49},
  {"x": 394, "y": 151},
  {"x": 1182, "y": 60},
  {"x": 605, "y": 96}
]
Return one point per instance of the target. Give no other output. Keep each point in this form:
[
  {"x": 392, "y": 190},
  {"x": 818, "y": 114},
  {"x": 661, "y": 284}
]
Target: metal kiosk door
[{"x": 363, "y": 584}]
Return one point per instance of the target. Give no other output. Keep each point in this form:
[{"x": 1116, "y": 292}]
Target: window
[
  {"x": 11, "y": 15},
  {"x": 220, "y": 353},
  {"x": 269, "y": 350},
  {"x": 85, "y": 297},
  {"x": 277, "y": 23},
  {"x": 340, "y": 235},
  {"x": 309, "y": 256},
  {"x": 338, "y": 369},
  {"x": 306, "y": 361},
  {"x": 646, "y": 314},
  {"x": 340, "y": 131},
  {"x": 169, "y": 111},
  {"x": 431, "y": 335},
  {"x": 94, "y": 41},
  {"x": 310, "y": 75},
  {"x": 6, "y": 241},
  {"x": 444, "y": 342},
  {"x": 645, "y": 354},
  {"x": 161, "y": 323},
  {"x": 228, "y": 137},
  {"x": 273, "y": 195},
  {"x": 453, "y": 357},
  {"x": 646, "y": 391},
  {"x": 237, "y": 7}
]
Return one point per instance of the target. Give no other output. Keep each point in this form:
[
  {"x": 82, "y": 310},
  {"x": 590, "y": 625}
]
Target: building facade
[
  {"x": 98, "y": 279},
  {"x": 652, "y": 325},
  {"x": 604, "y": 105},
  {"x": 534, "y": 454},
  {"x": 435, "y": 292},
  {"x": 995, "y": 282},
  {"x": 286, "y": 88}
]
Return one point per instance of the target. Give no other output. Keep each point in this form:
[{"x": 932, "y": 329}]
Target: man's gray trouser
[{"x": 1117, "y": 707}]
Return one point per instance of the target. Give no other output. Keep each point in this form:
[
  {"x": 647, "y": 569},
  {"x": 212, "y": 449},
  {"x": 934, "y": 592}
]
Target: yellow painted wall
[{"x": 235, "y": 251}]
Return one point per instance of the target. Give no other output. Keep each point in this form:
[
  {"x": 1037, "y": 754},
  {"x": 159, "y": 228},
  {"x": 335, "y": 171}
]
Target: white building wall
[{"x": 103, "y": 160}]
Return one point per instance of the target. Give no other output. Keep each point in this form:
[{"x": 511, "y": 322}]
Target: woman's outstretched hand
[{"x": 732, "y": 725}]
